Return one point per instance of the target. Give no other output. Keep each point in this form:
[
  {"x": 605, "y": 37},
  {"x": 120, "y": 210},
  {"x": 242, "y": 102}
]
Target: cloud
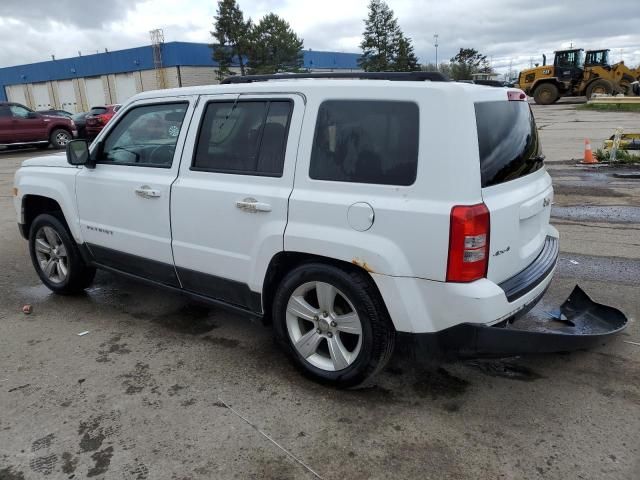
[
  {"x": 91, "y": 14},
  {"x": 508, "y": 31}
]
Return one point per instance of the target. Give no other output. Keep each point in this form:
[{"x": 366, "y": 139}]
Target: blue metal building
[{"x": 174, "y": 54}]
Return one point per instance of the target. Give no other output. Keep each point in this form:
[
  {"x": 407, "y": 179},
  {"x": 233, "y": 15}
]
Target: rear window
[
  {"x": 507, "y": 140},
  {"x": 366, "y": 142},
  {"x": 97, "y": 111}
]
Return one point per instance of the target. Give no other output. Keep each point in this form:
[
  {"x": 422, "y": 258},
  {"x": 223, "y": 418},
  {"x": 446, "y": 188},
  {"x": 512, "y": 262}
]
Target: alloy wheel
[
  {"x": 324, "y": 326},
  {"x": 52, "y": 255},
  {"x": 62, "y": 138}
]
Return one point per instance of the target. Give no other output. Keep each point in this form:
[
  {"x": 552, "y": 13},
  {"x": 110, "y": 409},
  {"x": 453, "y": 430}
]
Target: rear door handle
[
  {"x": 145, "y": 191},
  {"x": 252, "y": 205}
]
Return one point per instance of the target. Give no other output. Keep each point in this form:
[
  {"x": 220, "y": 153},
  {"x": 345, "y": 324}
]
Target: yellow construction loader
[
  {"x": 571, "y": 76},
  {"x": 619, "y": 73}
]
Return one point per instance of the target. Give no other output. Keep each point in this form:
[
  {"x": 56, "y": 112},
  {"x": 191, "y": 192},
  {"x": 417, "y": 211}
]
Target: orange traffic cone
[{"x": 588, "y": 154}]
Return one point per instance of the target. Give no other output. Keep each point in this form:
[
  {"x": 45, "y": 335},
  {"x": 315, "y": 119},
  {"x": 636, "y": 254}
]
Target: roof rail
[{"x": 396, "y": 76}]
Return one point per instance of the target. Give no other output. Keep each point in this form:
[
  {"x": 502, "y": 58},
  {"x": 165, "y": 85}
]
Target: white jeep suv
[{"x": 349, "y": 212}]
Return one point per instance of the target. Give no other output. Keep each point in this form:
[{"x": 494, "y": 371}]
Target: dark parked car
[
  {"x": 98, "y": 117},
  {"x": 57, "y": 113},
  {"x": 80, "y": 119},
  {"x": 21, "y": 126}
]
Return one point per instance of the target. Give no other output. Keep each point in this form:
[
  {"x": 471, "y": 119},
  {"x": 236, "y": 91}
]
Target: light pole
[{"x": 435, "y": 38}]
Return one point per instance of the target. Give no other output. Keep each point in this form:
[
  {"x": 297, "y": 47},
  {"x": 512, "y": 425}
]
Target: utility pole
[{"x": 435, "y": 38}]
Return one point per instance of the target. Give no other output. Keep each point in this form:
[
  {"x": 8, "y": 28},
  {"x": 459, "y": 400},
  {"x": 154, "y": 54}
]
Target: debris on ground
[
  {"x": 27, "y": 309},
  {"x": 82, "y": 334},
  {"x": 620, "y": 148}
]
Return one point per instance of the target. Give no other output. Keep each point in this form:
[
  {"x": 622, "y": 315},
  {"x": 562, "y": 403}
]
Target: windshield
[
  {"x": 507, "y": 141},
  {"x": 98, "y": 111}
]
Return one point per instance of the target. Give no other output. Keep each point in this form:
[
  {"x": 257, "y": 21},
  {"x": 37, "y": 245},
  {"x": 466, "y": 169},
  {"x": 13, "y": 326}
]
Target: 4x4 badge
[
  {"x": 500, "y": 252},
  {"x": 546, "y": 202}
]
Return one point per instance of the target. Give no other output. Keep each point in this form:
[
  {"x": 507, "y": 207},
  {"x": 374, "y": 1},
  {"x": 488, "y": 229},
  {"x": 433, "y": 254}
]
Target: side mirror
[
  {"x": 78, "y": 153},
  {"x": 32, "y": 115}
]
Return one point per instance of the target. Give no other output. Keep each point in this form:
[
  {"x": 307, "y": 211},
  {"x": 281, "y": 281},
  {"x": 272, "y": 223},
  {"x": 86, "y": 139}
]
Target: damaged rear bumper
[{"x": 580, "y": 323}]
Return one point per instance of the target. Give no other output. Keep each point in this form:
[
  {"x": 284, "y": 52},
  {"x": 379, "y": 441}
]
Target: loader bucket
[{"x": 579, "y": 323}]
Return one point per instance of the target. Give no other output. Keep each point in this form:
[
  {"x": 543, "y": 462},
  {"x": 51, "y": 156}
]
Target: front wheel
[
  {"x": 59, "y": 138},
  {"x": 56, "y": 258},
  {"x": 333, "y": 324},
  {"x": 546, "y": 94},
  {"x": 600, "y": 86}
]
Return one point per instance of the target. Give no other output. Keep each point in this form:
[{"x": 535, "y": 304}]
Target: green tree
[
  {"x": 232, "y": 37},
  {"x": 405, "y": 59},
  {"x": 468, "y": 61},
  {"x": 275, "y": 47},
  {"x": 384, "y": 46},
  {"x": 381, "y": 36}
]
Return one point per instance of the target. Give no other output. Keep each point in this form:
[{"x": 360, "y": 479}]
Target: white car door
[
  {"x": 123, "y": 202},
  {"x": 229, "y": 204}
]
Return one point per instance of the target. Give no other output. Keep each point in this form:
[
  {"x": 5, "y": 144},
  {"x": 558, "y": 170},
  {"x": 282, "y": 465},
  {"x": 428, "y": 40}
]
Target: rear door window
[
  {"x": 507, "y": 140},
  {"x": 366, "y": 141}
]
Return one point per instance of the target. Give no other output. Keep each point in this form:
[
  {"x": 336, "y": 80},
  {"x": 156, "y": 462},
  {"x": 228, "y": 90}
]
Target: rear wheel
[
  {"x": 59, "y": 138},
  {"x": 546, "y": 94},
  {"x": 56, "y": 257},
  {"x": 600, "y": 86},
  {"x": 333, "y": 324}
]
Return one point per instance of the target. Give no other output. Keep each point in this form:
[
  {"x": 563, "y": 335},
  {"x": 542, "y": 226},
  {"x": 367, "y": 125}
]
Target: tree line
[{"x": 271, "y": 45}]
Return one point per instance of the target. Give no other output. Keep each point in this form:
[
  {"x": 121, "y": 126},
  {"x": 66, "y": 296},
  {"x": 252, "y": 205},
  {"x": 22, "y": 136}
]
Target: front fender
[{"x": 57, "y": 184}]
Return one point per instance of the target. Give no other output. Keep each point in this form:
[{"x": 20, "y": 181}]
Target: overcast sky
[{"x": 505, "y": 30}]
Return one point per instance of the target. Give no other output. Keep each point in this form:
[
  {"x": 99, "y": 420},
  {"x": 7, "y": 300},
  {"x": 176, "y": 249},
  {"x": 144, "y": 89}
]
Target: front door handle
[
  {"x": 252, "y": 205},
  {"x": 145, "y": 191}
]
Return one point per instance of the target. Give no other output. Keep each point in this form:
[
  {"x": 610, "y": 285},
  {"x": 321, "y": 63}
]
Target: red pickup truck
[{"x": 20, "y": 125}]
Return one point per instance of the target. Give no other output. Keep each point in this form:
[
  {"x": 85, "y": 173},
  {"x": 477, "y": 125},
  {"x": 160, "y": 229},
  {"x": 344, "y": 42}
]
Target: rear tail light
[
  {"x": 516, "y": 95},
  {"x": 468, "y": 243}
]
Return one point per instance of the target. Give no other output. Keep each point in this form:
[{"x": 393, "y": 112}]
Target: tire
[
  {"x": 599, "y": 86},
  {"x": 47, "y": 230},
  {"x": 60, "y": 137},
  {"x": 334, "y": 352},
  {"x": 546, "y": 94}
]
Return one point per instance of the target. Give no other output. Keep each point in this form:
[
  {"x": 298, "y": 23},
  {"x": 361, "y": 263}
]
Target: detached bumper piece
[{"x": 580, "y": 323}]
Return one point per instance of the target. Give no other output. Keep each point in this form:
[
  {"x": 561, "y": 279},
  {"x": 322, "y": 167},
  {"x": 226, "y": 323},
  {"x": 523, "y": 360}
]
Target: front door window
[{"x": 145, "y": 136}]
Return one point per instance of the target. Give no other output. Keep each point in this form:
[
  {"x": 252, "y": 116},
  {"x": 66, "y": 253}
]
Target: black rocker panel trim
[
  {"x": 142, "y": 267},
  {"x": 230, "y": 291},
  {"x": 202, "y": 285}
]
